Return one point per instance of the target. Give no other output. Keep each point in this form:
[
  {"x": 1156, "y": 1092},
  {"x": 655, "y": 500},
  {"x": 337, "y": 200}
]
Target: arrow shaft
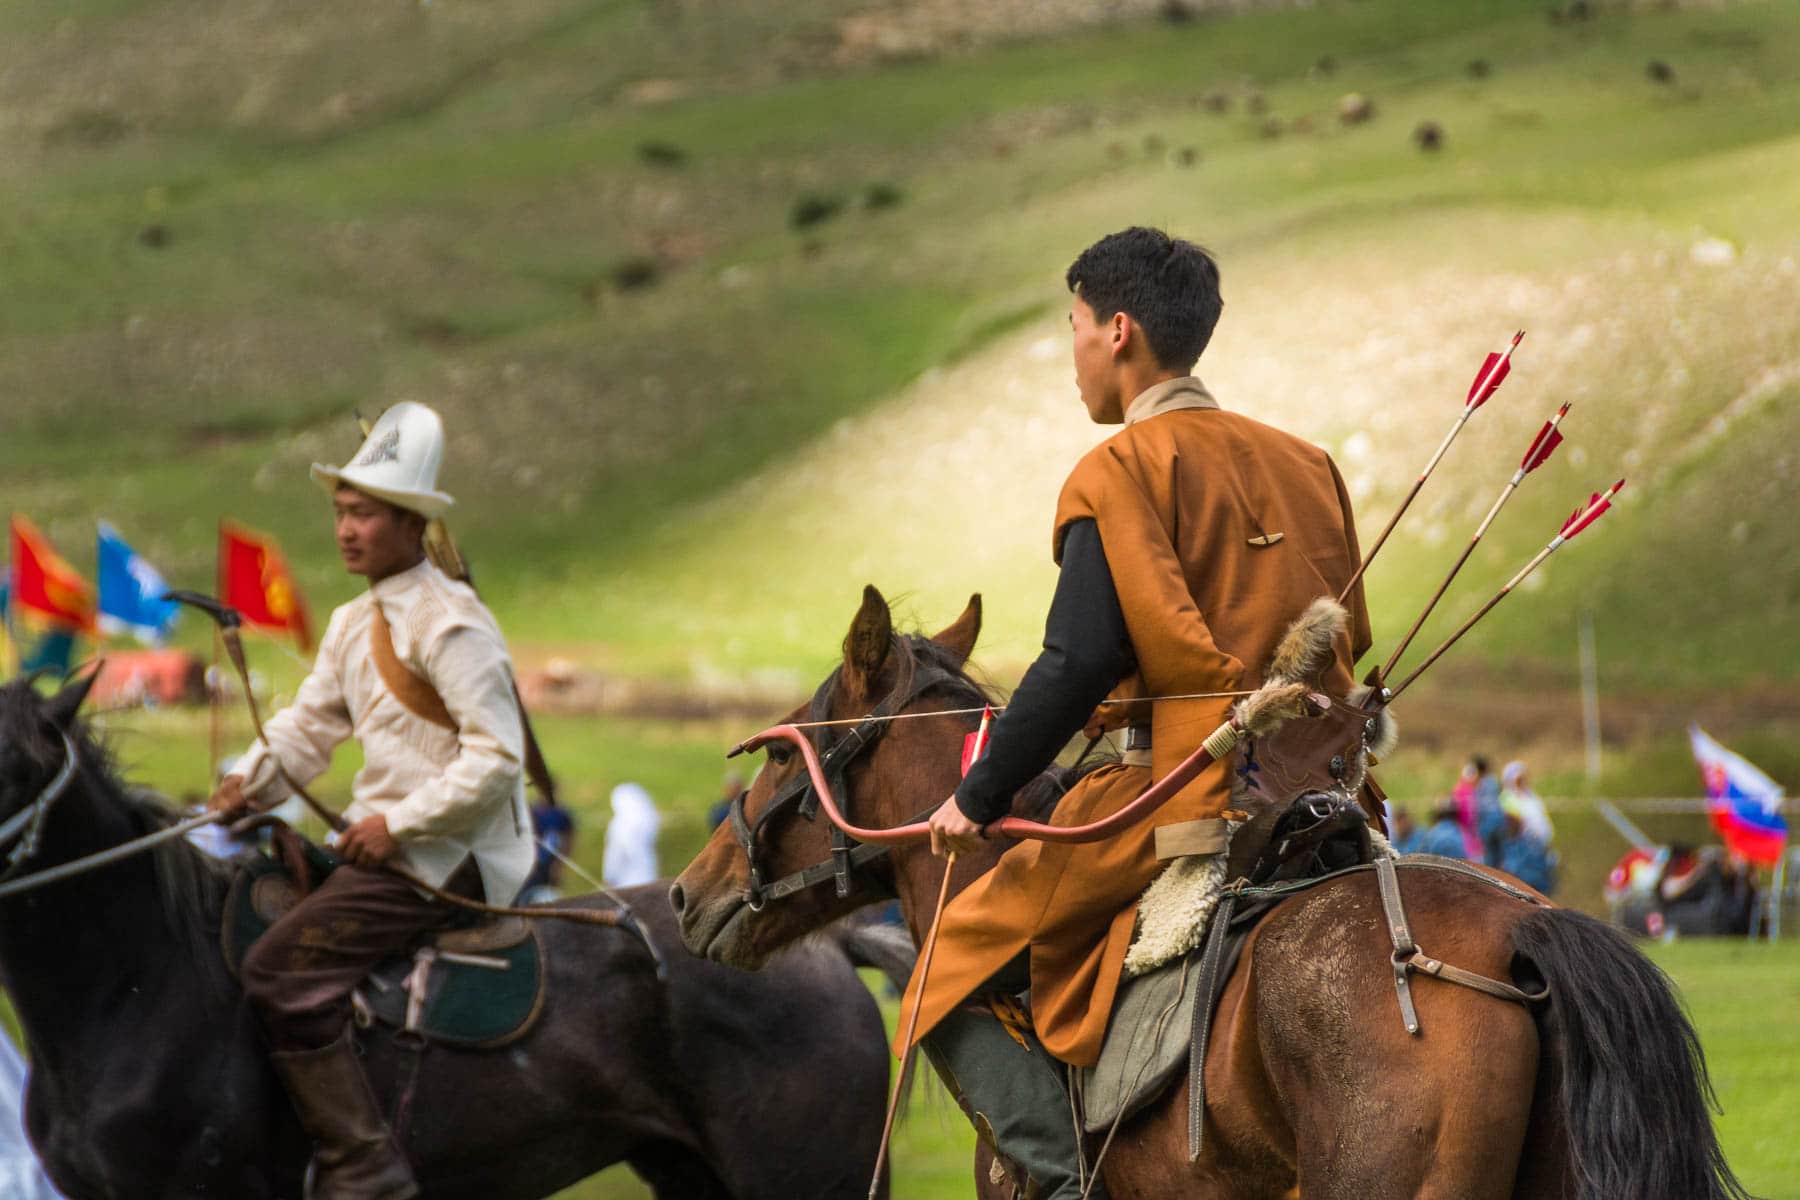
[
  {"x": 1481, "y": 530},
  {"x": 1406, "y": 503},
  {"x": 912, "y": 1023},
  {"x": 1469, "y": 624}
]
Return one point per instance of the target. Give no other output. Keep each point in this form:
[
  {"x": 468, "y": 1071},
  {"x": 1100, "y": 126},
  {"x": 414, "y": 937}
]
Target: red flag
[
  {"x": 254, "y": 579},
  {"x": 44, "y": 584}
]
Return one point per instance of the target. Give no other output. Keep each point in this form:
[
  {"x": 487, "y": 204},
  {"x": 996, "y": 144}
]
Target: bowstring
[{"x": 1000, "y": 708}]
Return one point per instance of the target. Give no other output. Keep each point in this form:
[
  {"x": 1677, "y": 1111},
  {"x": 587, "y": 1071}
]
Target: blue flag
[{"x": 131, "y": 592}]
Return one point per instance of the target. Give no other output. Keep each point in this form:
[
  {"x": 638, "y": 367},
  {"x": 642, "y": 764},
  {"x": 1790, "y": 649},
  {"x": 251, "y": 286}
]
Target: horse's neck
[{"x": 82, "y": 955}]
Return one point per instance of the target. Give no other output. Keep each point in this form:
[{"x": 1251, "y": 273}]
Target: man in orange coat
[{"x": 1188, "y": 542}]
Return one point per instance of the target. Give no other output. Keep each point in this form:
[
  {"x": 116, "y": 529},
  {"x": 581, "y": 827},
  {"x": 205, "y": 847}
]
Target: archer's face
[
  {"x": 1093, "y": 353},
  {"x": 374, "y": 538}
]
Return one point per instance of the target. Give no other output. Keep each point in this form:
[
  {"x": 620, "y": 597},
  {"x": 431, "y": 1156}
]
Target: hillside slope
[{"x": 686, "y": 431}]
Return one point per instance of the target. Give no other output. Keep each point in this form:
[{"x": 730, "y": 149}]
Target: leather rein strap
[{"x": 25, "y": 828}]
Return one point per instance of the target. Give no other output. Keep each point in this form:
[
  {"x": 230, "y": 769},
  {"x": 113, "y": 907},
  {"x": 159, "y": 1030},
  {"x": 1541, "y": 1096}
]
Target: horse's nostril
[{"x": 677, "y": 898}]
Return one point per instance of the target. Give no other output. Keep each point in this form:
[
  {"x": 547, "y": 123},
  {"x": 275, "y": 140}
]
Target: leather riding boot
[
  {"x": 1017, "y": 1093},
  {"x": 354, "y": 1157}
]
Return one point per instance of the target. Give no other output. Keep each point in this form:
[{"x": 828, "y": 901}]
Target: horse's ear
[
  {"x": 959, "y": 638},
  {"x": 63, "y": 707},
  {"x": 867, "y": 644}
]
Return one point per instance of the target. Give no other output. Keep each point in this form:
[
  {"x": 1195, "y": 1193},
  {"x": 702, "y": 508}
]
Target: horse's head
[
  {"x": 772, "y": 872},
  {"x": 38, "y": 758}
]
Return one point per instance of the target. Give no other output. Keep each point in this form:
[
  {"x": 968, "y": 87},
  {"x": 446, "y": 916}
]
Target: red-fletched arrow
[
  {"x": 1542, "y": 447},
  {"x": 1545, "y": 444},
  {"x": 1493, "y": 370},
  {"x": 1584, "y": 516}
]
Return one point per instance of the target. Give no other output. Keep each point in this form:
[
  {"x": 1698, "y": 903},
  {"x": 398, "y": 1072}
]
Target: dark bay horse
[
  {"x": 148, "y": 1072},
  {"x": 1313, "y": 1085}
]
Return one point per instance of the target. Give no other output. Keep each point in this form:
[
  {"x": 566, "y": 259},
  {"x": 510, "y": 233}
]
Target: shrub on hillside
[{"x": 814, "y": 209}]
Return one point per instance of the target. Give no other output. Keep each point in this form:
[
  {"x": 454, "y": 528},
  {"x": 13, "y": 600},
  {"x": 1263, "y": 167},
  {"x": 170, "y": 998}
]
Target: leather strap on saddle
[{"x": 414, "y": 692}]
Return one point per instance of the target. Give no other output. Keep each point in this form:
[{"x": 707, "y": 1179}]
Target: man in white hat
[{"x": 417, "y": 670}]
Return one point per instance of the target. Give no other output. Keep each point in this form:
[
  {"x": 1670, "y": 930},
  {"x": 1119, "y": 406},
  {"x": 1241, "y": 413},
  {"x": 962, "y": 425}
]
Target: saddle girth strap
[{"x": 414, "y": 692}]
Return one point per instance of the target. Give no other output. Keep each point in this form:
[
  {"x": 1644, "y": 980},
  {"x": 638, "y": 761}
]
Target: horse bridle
[
  {"x": 24, "y": 830},
  {"x": 836, "y": 759}
]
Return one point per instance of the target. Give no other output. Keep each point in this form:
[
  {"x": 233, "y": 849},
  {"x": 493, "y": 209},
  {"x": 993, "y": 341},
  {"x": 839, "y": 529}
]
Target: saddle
[
  {"x": 1162, "y": 1015},
  {"x": 478, "y": 985}
]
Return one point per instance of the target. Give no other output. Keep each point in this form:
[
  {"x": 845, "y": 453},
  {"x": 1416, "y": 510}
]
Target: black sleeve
[{"x": 1086, "y": 653}]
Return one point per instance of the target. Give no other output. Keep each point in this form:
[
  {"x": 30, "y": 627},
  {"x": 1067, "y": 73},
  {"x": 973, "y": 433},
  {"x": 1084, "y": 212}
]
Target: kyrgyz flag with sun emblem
[
  {"x": 254, "y": 579},
  {"x": 44, "y": 586}
]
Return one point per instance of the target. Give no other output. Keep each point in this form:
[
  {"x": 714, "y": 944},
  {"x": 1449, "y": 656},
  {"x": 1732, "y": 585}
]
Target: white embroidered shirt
[{"x": 446, "y": 794}]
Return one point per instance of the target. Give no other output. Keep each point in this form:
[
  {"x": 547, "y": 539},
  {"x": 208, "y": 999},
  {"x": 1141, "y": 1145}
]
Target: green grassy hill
[{"x": 685, "y": 432}]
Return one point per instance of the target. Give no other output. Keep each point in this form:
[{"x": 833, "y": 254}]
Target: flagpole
[{"x": 215, "y": 735}]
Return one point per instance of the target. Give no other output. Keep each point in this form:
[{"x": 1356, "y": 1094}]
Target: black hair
[{"x": 1168, "y": 286}]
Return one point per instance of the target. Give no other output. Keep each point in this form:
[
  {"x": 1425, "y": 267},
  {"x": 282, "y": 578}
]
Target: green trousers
[{"x": 1017, "y": 1093}]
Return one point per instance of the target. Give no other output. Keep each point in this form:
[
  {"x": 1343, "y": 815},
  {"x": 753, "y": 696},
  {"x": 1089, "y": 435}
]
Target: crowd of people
[{"x": 1499, "y": 821}]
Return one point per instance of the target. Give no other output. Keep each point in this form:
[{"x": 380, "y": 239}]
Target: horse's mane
[{"x": 190, "y": 885}]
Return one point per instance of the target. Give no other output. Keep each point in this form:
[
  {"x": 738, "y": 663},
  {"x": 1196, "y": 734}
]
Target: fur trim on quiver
[{"x": 1306, "y": 646}]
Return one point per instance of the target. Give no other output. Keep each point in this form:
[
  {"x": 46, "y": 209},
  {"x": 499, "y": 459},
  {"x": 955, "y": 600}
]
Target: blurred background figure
[
  {"x": 728, "y": 791},
  {"x": 21, "y": 1176},
  {"x": 554, "y": 828},
  {"x": 1447, "y": 836},
  {"x": 1463, "y": 797},
  {"x": 1517, "y": 798},
  {"x": 1403, "y": 832},
  {"x": 1526, "y": 857},
  {"x": 630, "y": 856}
]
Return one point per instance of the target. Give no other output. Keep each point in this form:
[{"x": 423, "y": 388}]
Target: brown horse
[{"x": 1313, "y": 1085}]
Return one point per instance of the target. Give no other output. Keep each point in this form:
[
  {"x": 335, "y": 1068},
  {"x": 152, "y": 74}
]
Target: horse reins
[
  {"x": 25, "y": 828},
  {"x": 803, "y": 793},
  {"x": 228, "y": 621}
]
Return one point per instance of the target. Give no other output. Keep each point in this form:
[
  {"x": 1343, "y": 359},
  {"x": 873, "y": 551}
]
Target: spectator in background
[
  {"x": 1463, "y": 796},
  {"x": 631, "y": 837},
  {"x": 1518, "y": 800},
  {"x": 1526, "y": 858},
  {"x": 1446, "y": 837},
  {"x": 1490, "y": 818},
  {"x": 1403, "y": 834},
  {"x": 733, "y": 785},
  {"x": 554, "y": 828},
  {"x": 21, "y": 1176}
]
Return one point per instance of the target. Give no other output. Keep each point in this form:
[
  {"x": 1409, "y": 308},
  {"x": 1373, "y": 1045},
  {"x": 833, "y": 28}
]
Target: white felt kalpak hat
[{"x": 398, "y": 461}]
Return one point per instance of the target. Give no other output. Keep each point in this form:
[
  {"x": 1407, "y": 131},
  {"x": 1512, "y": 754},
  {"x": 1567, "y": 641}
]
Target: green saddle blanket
[{"x": 479, "y": 986}]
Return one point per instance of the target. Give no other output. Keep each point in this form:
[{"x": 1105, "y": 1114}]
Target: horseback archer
[
  {"x": 1188, "y": 542},
  {"x": 417, "y": 669}
]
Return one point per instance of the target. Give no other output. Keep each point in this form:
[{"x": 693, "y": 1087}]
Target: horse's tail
[
  {"x": 1631, "y": 1080},
  {"x": 887, "y": 948}
]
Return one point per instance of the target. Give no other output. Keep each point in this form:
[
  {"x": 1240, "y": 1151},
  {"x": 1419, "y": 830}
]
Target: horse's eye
[{"x": 779, "y": 753}]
